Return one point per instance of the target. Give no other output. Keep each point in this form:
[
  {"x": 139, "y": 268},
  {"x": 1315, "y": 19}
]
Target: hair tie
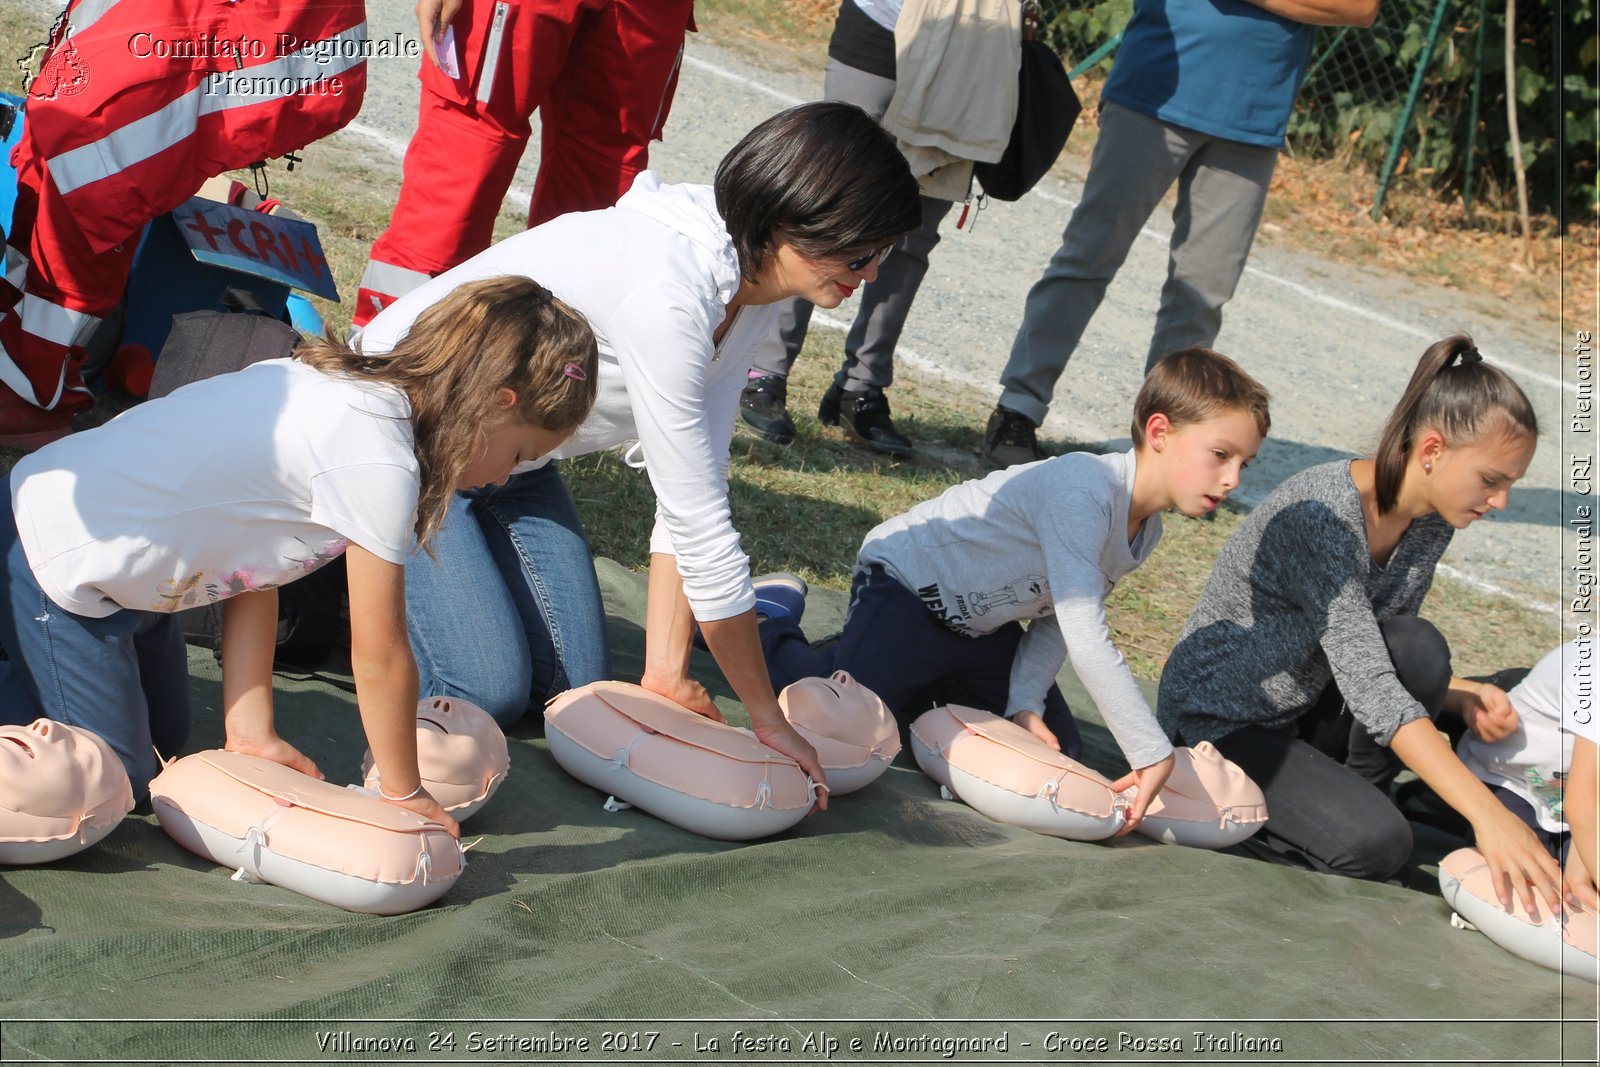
[
  {"x": 575, "y": 372},
  {"x": 541, "y": 295},
  {"x": 1464, "y": 357}
]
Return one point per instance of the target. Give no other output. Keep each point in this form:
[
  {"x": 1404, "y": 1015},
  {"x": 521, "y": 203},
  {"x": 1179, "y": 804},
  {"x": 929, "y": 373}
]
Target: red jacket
[{"x": 141, "y": 100}]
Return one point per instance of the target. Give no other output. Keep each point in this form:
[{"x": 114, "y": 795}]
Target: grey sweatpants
[
  {"x": 1222, "y": 186},
  {"x": 884, "y": 303}
]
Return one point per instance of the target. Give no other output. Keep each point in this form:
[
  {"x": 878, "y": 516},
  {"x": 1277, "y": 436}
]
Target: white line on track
[
  {"x": 397, "y": 148},
  {"x": 749, "y": 83},
  {"x": 1053, "y": 197}
]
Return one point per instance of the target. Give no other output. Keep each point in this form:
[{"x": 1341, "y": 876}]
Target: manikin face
[
  {"x": 460, "y": 752},
  {"x": 837, "y": 707},
  {"x": 827, "y": 283},
  {"x": 457, "y": 737},
  {"x": 1468, "y": 481},
  {"x": 1204, "y": 461},
  {"x": 48, "y": 769}
]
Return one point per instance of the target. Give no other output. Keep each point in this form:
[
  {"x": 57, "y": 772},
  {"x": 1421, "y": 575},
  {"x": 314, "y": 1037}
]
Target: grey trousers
[
  {"x": 1222, "y": 187},
  {"x": 885, "y": 302}
]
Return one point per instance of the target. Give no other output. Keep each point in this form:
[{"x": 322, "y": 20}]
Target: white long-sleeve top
[
  {"x": 653, "y": 276},
  {"x": 1042, "y": 543}
]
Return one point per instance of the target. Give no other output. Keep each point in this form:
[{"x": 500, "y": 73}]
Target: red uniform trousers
[
  {"x": 602, "y": 74},
  {"x": 120, "y": 130}
]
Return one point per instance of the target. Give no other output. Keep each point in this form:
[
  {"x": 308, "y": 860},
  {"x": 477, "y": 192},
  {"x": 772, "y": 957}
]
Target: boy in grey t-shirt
[{"x": 941, "y": 592}]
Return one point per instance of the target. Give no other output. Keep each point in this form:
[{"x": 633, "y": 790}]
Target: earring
[{"x": 1427, "y": 468}]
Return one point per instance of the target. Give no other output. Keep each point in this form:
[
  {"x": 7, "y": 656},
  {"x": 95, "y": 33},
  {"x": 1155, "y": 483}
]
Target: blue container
[{"x": 8, "y": 176}]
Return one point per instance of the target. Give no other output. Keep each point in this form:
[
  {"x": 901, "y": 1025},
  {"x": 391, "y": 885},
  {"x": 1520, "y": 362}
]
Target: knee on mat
[
  {"x": 1421, "y": 658},
  {"x": 1377, "y": 849},
  {"x": 506, "y": 701}
]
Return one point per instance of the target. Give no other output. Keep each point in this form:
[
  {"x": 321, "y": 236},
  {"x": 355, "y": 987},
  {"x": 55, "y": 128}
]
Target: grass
[{"x": 806, "y": 507}]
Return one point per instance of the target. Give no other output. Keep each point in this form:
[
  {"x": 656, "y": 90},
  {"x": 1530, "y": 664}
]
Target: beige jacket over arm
[{"x": 955, "y": 97}]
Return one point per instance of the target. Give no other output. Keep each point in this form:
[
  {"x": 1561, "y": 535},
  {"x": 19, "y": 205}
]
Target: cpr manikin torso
[
  {"x": 708, "y": 777},
  {"x": 342, "y": 846},
  {"x": 1568, "y": 942},
  {"x": 1003, "y": 771}
]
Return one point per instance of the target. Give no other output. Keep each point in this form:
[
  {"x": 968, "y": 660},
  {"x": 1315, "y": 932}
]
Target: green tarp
[{"x": 908, "y": 923}]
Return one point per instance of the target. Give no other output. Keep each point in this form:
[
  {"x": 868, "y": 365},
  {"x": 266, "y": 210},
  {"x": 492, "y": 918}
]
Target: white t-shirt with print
[
  {"x": 1554, "y": 703},
  {"x": 239, "y": 482}
]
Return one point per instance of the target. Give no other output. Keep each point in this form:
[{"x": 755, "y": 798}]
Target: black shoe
[
  {"x": 764, "y": 407},
  {"x": 1010, "y": 438},
  {"x": 828, "y": 410},
  {"x": 865, "y": 420}
]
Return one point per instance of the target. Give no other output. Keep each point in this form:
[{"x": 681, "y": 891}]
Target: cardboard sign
[{"x": 284, "y": 250}]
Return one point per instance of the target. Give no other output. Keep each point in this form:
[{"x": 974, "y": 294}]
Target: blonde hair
[
  {"x": 488, "y": 335},
  {"x": 1196, "y": 384}
]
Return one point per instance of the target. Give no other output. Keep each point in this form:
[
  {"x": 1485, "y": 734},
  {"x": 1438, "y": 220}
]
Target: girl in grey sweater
[{"x": 1304, "y": 661}]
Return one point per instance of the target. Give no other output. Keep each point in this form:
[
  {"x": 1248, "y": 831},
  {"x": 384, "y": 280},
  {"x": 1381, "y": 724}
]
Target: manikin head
[
  {"x": 62, "y": 789},
  {"x": 461, "y": 754}
]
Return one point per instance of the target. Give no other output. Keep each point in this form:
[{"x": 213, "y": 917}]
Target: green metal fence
[{"x": 1420, "y": 96}]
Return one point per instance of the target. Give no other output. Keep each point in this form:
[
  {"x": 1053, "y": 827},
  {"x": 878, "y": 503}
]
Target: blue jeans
[
  {"x": 895, "y": 647},
  {"x": 507, "y": 613},
  {"x": 124, "y": 677}
]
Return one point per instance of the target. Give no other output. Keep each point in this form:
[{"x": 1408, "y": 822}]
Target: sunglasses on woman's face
[{"x": 860, "y": 263}]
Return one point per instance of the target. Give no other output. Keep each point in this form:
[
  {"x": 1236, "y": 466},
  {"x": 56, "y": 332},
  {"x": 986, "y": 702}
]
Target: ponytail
[{"x": 1456, "y": 393}]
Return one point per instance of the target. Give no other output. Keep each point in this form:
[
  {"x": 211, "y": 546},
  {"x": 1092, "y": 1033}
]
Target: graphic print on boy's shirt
[{"x": 957, "y": 611}]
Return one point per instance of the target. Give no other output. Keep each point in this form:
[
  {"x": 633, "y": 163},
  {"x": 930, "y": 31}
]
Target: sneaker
[
  {"x": 764, "y": 408},
  {"x": 864, "y": 418},
  {"x": 1010, "y": 438},
  {"x": 27, "y": 427},
  {"x": 778, "y": 596},
  {"x": 781, "y": 595}
]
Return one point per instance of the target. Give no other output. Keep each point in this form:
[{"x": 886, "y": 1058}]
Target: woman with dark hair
[
  {"x": 1305, "y": 661},
  {"x": 680, "y": 283}
]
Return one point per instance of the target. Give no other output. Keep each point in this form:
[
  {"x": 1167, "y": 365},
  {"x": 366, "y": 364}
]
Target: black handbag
[{"x": 1047, "y": 108}]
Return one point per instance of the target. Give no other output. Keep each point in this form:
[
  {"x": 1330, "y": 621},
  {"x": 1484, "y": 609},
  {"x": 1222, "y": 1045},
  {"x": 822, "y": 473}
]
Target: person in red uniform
[
  {"x": 601, "y": 74},
  {"x": 135, "y": 106}
]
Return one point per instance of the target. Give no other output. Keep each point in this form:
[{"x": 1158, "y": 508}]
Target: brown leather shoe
[{"x": 1009, "y": 439}]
